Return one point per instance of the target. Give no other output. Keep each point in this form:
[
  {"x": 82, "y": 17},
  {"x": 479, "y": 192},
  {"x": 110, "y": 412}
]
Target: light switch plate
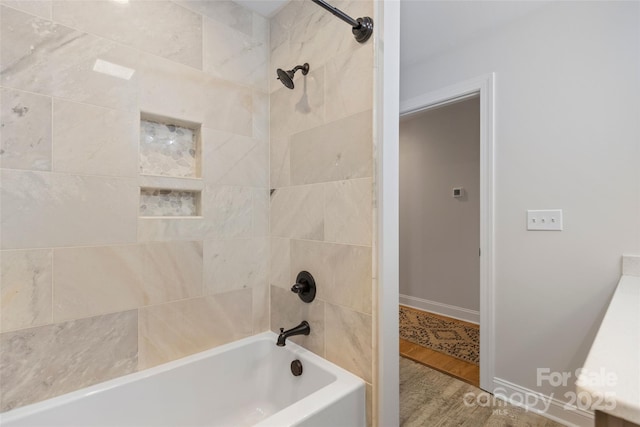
[{"x": 544, "y": 220}]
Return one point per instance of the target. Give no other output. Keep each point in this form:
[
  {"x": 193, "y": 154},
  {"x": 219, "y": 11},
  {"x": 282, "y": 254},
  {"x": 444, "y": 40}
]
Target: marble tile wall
[
  {"x": 90, "y": 289},
  {"x": 43, "y": 362},
  {"x": 321, "y": 175}
]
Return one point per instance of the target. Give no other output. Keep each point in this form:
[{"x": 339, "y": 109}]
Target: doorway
[
  {"x": 481, "y": 87},
  {"x": 440, "y": 238}
]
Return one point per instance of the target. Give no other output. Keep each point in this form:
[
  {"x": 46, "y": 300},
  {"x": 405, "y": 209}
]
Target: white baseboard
[
  {"x": 465, "y": 314},
  {"x": 547, "y": 406}
]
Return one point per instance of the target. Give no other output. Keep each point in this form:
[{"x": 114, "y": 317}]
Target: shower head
[{"x": 286, "y": 77}]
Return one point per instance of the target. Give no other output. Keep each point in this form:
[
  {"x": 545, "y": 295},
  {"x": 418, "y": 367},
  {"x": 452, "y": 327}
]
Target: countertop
[{"x": 611, "y": 372}]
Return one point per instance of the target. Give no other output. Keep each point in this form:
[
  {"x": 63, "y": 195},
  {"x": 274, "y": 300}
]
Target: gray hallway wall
[{"x": 439, "y": 234}]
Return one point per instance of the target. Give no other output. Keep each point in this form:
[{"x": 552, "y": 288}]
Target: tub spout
[{"x": 302, "y": 329}]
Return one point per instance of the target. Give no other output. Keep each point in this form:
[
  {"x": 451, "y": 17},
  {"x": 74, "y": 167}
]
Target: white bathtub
[{"x": 244, "y": 383}]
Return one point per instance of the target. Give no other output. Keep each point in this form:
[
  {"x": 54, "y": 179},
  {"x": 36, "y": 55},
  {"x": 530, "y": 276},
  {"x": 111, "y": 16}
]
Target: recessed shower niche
[
  {"x": 169, "y": 147},
  {"x": 163, "y": 202},
  {"x": 170, "y": 171}
]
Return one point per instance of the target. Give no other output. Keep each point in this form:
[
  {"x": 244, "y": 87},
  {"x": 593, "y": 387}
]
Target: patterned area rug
[{"x": 449, "y": 336}]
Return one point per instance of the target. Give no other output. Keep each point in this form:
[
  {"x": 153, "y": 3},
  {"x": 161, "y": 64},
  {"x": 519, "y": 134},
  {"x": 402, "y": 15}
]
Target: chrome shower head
[{"x": 286, "y": 77}]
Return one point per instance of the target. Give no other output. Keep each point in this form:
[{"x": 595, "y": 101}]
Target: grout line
[
  {"x": 137, "y": 308},
  {"x": 324, "y": 331},
  {"x": 344, "y": 307},
  {"x": 136, "y": 178},
  {"x": 52, "y": 287},
  {"x": 53, "y": 125},
  {"x": 155, "y": 242},
  {"x": 139, "y": 340},
  {"x": 324, "y": 212},
  {"x": 62, "y": 98},
  {"x": 131, "y": 177},
  {"x": 322, "y": 241},
  {"x": 300, "y": 186}
]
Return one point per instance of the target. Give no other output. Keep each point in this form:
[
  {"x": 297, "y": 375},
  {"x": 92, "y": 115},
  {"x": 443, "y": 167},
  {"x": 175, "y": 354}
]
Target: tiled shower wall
[
  {"x": 90, "y": 290},
  {"x": 322, "y": 183}
]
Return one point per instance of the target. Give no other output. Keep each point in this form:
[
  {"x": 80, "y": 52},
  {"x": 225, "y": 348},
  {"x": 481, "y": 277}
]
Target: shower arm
[
  {"x": 337, "y": 12},
  {"x": 361, "y": 27}
]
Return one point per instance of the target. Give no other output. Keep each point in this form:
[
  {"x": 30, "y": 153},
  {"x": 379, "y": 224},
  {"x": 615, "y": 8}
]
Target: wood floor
[
  {"x": 429, "y": 398},
  {"x": 465, "y": 371}
]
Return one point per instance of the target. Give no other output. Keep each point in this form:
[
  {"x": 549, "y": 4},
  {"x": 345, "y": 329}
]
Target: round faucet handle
[
  {"x": 300, "y": 288},
  {"x": 305, "y": 286}
]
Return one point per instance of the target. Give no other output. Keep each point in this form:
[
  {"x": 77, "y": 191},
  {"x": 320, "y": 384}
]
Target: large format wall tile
[
  {"x": 235, "y": 264},
  {"x": 97, "y": 280},
  {"x": 173, "y": 270},
  {"x": 261, "y": 308},
  {"x": 280, "y": 271},
  {"x": 35, "y": 7},
  {"x": 234, "y": 56},
  {"x": 280, "y": 162},
  {"x": 169, "y": 229},
  {"x": 40, "y": 56},
  {"x": 234, "y": 159},
  {"x": 260, "y": 115},
  {"x": 94, "y": 140},
  {"x": 297, "y": 212},
  {"x": 342, "y": 272},
  {"x": 299, "y": 109},
  {"x": 25, "y": 140},
  {"x": 46, "y": 361},
  {"x": 25, "y": 287},
  {"x": 261, "y": 202},
  {"x": 348, "y": 340},
  {"x": 290, "y": 15},
  {"x": 177, "y": 329},
  {"x": 173, "y": 90},
  {"x": 230, "y": 210},
  {"x": 225, "y": 12},
  {"x": 351, "y": 89},
  {"x": 348, "y": 211},
  {"x": 288, "y": 311},
  {"x": 336, "y": 151},
  {"x": 41, "y": 209},
  {"x": 279, "y": 49},
  {"x": 159, "y": 27},
  {"x": 234, "y": 212},
  {"x": 308, "y": 44}
]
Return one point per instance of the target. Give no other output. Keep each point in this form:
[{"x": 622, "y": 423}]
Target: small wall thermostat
[{"x": 458, "y": 192}]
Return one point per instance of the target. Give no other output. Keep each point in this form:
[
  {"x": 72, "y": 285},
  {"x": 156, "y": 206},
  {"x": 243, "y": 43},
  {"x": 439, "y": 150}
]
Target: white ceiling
[{"x": 431, "y": 26}]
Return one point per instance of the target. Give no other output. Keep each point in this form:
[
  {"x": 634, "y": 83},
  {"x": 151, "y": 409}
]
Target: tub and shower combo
[{"x": 258, "y": 381}]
